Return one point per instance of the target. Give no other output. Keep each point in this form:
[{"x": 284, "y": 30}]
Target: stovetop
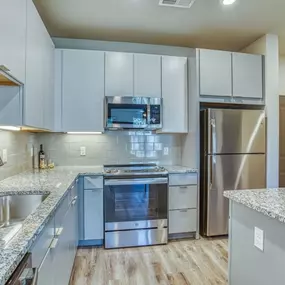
[{"x": 134, "y": 169}]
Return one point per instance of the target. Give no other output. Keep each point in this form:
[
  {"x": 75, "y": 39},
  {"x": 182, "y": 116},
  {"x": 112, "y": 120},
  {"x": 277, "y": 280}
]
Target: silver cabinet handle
[
  {"x": 183, "y": 211},
  {"x": 54, "y": 243},
  {"x": 183, "y": 187},
  {"x": 4, "y": 68},
  {"x": 58, "y": 231},
  {"x": 74, "y": 201},
  {"x": 72, "y": 187}
]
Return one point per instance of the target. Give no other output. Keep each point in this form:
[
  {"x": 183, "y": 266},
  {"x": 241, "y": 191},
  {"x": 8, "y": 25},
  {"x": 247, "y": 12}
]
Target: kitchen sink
[{"x": 14, "y": 209}]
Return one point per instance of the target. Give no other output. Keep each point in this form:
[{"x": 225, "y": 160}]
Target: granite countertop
[
  {"x": 53, "y": 182},
  {"x": 177, "y": 169},
  {"x": 269, "y": 202}
]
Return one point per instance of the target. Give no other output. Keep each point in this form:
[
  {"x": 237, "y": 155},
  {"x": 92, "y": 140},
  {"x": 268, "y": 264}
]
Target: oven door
[
  {"x": 137, "y": 203},
  {"x": 126, "y": 113}
]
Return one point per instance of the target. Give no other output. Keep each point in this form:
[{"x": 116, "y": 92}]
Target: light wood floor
[{"x": 202, "y": 262}]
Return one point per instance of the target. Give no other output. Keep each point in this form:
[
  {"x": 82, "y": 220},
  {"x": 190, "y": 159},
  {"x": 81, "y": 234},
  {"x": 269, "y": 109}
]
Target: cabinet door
[
  {"x": 147, "y": 75},
  {"x": 48, "y": 88},
  {"x": 119, "y": 80},
  {"x": 215, "y": 73},
  {"x": 35, "y": 76},
  {"x": 13, "y": 37},
  {"x": 45, "y": 277},
  {"x": 63, "y": 262},
  {"x": 247, "y": 75},
  {"x": 93, "y": 214},
  {"x": 82, "y": 91},
  {"x": 174, "y": 94}
]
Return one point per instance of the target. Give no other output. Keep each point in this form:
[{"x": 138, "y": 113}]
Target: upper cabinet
[
  {"x": 247, "y": 75},
  {"x": 231, "y": 77},
  {"x": 119, "y": 74},
  {"x": 38, "y": 95},
  {"x": 174, "y": 94},
  {"x": 147, "y": 75},
  {"x": 13, "y": 37},
  {"x": 215, "y": 73},
  {"x": 82, "y": 91}
]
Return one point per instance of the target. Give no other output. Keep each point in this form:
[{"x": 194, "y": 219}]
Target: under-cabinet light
[
  {"x": 84, "y": 133},
  {"x": 10, "y": 128}
]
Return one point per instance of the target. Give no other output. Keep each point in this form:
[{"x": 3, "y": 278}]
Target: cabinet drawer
[
  {"x": 61, "y": 211},
  {"x": 182, "y": 221},
  {"x": 182, "y": 197},
  {"x": 93, "y": 182},
  {"x": 183, "y": 179},
  {"x": 42, "y": 243}
]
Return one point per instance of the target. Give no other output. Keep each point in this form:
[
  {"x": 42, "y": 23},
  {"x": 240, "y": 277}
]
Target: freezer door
[
  {"x": 236, "y": 131},
  {"x": 230, "y": 172}
]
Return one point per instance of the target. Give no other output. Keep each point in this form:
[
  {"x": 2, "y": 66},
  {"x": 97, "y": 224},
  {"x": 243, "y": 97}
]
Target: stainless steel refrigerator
[{"x": 233, "y": 146}]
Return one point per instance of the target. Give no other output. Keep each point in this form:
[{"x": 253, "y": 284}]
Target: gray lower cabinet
[
  {"x": 93, "y": 214},
  {"x": 55, "y": 250},
  {"x": 183, "y": 204}
]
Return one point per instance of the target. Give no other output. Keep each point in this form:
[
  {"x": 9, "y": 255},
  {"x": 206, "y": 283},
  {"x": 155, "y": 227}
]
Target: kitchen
[{"x": 123, "y": 152}]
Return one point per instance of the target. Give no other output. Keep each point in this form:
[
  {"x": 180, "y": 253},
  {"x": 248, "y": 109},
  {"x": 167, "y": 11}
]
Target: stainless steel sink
[{"x": 14, "y": 209}]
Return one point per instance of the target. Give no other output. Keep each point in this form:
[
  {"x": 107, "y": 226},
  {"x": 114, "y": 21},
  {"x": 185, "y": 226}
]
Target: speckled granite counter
[
  {"x": 56, "y": 182},
  {"x": 177, "y": 169},
  {"x": 270, "y": 202}
]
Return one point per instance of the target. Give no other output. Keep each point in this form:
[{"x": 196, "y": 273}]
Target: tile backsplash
[
  {"x": 18, "y": 145},
  {"x": 112, "y": 148}
]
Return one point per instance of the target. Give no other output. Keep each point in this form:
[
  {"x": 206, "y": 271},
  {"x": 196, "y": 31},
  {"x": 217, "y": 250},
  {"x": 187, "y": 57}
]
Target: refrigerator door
[
  {"x": 230, "y": 172},
  {"x": 236, "y": 131}
]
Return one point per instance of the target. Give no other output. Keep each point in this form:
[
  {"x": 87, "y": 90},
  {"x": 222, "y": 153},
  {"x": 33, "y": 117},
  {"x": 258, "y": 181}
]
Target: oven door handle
[{"x": 139, "y": 181}]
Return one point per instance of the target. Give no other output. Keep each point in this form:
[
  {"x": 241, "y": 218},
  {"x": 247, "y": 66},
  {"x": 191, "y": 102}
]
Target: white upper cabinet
[
  {"x": 48, "y": 87},
  {"x": 174, "y": 94},
  {"x": 215, "y": 73},
  {"x": 38, "y": 95},
  {"x": 13, "y": 37},
  {"x": 247, "y": 75},
  {"x": 147, "y": 75},
  {"x": 34, "y": 97},
  {"x": 82, "y": 91},
  {"x": 119, "y": 74}
]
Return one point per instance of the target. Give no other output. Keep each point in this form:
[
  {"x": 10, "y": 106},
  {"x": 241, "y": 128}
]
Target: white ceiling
[{"x": 206, "y": 24}]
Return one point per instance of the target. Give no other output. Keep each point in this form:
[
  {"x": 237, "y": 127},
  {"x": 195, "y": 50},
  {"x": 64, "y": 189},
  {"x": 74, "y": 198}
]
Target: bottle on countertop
[{"x": 41, "y": 158}]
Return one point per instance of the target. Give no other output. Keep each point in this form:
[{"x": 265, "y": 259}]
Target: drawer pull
[
  {"x": 54, "y": 243},
  {"x": 183, "y": 187},
  {"x": 74, "y": 201},
  {"x": 58, "y": 231},
  {"x": 183, "y": 211}
]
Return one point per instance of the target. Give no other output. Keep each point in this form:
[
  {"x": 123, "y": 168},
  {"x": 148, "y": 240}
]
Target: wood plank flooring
[{"x": 187, "y": 262}]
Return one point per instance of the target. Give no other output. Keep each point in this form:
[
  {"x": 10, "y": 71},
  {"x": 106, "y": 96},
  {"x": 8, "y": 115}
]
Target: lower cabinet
[
  {"x": 183, "y": 204},
  {"x": 55, "y": 250},
  {"x": 93, "y": 214}
]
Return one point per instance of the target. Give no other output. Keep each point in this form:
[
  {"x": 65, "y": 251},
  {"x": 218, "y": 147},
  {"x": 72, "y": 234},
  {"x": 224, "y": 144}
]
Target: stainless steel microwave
[{"x": 133, "y": 113}]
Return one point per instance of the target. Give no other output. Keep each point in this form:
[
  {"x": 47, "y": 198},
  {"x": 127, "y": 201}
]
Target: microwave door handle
[{"x": 113, "y": 182}]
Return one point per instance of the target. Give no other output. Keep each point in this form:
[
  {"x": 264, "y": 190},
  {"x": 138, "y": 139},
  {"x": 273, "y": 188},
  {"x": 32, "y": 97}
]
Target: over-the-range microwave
[{"x": 133, "y": 113}]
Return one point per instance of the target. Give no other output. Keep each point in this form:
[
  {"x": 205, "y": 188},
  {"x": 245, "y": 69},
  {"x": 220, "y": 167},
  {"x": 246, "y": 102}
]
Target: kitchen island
[{"x": 256, "y": 236}]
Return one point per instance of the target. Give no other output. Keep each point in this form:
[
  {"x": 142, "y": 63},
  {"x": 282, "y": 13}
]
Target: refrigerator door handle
[{"x": 210, "y": 172}]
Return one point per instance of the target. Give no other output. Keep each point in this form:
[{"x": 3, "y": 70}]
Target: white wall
[
  {"x": 282, "y": 75},
  {"x": 268, "y": 46}
]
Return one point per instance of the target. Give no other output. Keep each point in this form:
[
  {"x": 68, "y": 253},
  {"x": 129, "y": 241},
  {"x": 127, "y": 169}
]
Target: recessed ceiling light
[{"x": 228, "y": 2}]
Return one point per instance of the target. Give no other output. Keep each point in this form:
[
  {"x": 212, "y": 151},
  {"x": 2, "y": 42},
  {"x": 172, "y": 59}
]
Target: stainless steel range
[{"x": 136, "y": 205}]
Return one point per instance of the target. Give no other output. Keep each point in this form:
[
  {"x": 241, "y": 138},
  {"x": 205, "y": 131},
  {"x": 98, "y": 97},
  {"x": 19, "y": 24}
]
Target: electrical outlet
[
  {"x": 258, "y": 238},
  {"x": 5, "y": 156},
  {"x": 82, "y": 151},
  {"x": 165, "y": 151}
]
